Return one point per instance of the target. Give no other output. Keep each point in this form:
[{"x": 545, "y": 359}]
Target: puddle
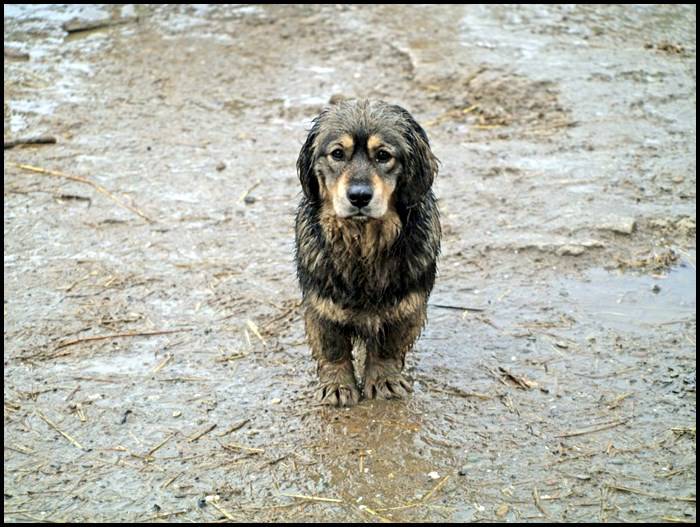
[
  {"x": 630, "y": 302},
  {"x": 50, "y": 13}
]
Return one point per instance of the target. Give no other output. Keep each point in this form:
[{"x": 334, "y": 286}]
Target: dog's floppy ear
[
  {"x": 421, "y": 163},
  {"x": 305, "y": 164}
]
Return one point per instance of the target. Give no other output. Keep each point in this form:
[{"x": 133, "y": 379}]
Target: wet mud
[{"x": 155, "y": 366}]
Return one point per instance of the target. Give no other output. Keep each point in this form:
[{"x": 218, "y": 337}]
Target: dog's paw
[
  {"x": 334, "y": 394},
  {"x": 383, "y": 387},
  {"x": 383, "y": 380},
  {"x": 337, "y": 384}
]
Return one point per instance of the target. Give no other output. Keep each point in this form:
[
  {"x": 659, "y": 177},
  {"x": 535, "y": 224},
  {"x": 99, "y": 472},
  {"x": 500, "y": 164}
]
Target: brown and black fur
[{"x": 365, "y": 278}]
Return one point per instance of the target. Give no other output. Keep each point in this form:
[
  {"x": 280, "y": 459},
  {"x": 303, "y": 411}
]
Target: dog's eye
[
  {"x": 383, "y": 156},
  {"x": 338, "y": 154}
]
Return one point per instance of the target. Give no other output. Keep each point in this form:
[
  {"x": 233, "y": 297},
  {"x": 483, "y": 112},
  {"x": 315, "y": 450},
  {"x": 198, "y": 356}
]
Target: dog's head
[{"x": 365, "y": 158}]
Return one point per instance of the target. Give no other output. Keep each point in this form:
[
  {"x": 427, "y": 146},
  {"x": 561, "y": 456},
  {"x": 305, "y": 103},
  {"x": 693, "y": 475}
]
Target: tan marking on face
[
  {"x": 374, "y": 143},
  {"x": 330, "y": 190},
  {"x": 322, "y": 189},
  {"x": 383, "y": 191},
  {"x": 340, "y": 188},
  {"x": 346, "y": 141}
]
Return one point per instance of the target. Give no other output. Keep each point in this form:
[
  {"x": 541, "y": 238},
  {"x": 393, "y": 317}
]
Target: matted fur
[{"x": 366, "y": 279}]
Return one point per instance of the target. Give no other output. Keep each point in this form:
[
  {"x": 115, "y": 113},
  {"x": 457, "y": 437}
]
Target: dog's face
[
  {"x": 363, "y": 159},
  {"x": 358, "y": 174}
]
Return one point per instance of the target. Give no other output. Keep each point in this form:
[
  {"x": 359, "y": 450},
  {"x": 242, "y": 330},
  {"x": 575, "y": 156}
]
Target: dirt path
[{"x": 555, "y": 380}]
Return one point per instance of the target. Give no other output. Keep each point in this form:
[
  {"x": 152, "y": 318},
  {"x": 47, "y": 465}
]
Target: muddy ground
[{"x": 155, "y": 362}]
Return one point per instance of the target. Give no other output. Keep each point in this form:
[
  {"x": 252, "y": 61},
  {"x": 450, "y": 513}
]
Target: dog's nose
[{"x": 360, "y": 195}]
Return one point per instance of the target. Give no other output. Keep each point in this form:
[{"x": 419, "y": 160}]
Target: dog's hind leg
[
  {"x": 386, "y": 354},
  {"x": 331, "y": 346}
]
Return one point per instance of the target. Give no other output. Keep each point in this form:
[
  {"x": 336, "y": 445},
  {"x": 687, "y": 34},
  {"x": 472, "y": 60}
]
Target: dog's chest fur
[
  {"x": 368, "y": 243},
  {"x": 365, "y": 273},
  {"x": 361, "y": 251}
]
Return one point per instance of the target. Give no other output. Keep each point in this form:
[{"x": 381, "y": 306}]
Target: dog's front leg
[
  {"x": 331, "y": 346},
  {"x": 386, "y": 354}
]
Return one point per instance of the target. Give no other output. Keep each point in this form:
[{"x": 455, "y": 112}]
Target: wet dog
[{"x": 367, "y": 241}]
